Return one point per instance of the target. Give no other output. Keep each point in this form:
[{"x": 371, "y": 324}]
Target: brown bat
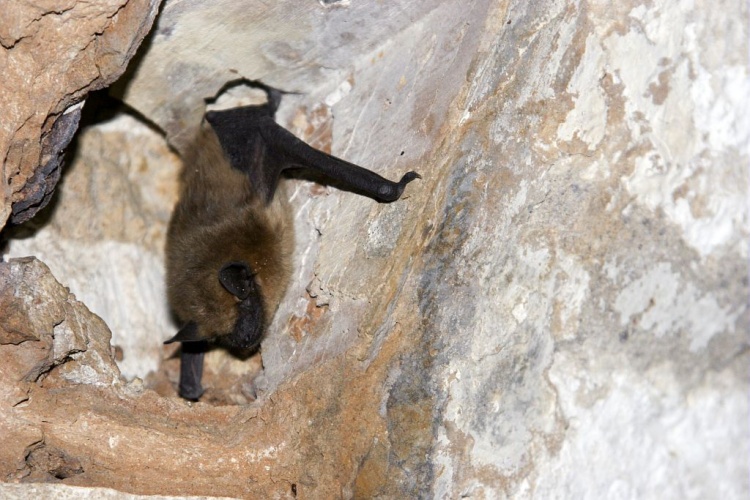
[{"x": 230, "y": 240}]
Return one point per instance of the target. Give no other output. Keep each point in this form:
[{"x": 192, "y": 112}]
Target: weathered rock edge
[
  {"x": 52, "y": 54},
  {"x": 66, "y": 416}
]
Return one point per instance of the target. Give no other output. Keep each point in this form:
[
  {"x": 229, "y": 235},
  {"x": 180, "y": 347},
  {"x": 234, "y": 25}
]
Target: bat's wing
[
  {"x": 255, "y": 144},
  {"x": 239, "y": 133},
  {"x": 191, "y": 360},
  {"x": 191, "y": 369},
  {"x": 299, "y": 154}
]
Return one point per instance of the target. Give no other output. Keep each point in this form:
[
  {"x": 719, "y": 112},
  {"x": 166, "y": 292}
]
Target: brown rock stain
[
  {"x": 301, "y": 326},
  {"x": 315, "y": 126},
  {"x": 319, "y": 436},
  {"x": 659, "y": 90}
]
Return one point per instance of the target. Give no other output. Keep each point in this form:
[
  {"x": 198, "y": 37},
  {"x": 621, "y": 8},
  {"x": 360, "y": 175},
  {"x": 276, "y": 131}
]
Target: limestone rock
[
  {"x": 47, "y": 339},
  {"x": 63, "y": 492},
  {"x": 52, "y": 54},
  {"x": 104, "y": 237},
  {"x": 305, "y": 47},
  {"x": 55, "y": 323},
  {"x": 558, "y": 309}
]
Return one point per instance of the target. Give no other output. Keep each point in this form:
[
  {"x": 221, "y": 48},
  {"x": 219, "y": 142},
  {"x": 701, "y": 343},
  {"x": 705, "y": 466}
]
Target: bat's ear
[
  {"x": 188, "y": 333},
  {"x": 237, "y": 278}
]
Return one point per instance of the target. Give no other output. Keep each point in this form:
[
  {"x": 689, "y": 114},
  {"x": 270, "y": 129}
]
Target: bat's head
[
  {"x": 228, "y": 258},
  {"x": 238, "y": 280},
  {"x": 241, "y": 303}
]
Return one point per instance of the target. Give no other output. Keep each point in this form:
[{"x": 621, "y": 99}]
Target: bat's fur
[
  {"x": 230, "y": 241},
  {"x": 218, "y": 219}
]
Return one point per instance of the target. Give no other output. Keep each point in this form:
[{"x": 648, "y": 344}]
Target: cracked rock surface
[
  {"x": 557, "y": 309},
  {"x": 52, "y": 54}
]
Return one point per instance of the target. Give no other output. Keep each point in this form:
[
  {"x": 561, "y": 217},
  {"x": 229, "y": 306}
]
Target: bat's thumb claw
[
  {"x": 391, "y": 191},
  {"x": 408, "y": 177}
]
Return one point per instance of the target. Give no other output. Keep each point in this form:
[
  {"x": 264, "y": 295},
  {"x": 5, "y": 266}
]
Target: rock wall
[
  {"x": 105, "y": 234},
  {"x": 52, "y": 54},
  {"x": 558, "y": 309}
]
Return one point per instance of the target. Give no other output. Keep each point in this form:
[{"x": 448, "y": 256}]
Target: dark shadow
[
  {"x": 99, "y": 108},
  {"x": 242, "y": 354},
  {"x": 120, "y": 86},
  {"x": 274, "y": 94}
]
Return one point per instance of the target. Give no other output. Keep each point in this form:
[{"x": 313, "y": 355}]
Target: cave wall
[
  {"x": 557, "y": 309},
  {"x": 52, "y": 54}
]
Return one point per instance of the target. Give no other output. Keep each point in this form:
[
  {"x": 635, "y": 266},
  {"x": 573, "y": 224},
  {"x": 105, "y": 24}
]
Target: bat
[{"x": 230, "y": 240}]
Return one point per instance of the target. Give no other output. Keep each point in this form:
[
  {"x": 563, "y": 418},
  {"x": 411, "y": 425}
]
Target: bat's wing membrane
[
  {"x": 240, "y": 134},
  {"x": 191, "y": 369},
  {"x": 297, "y": 153},
  {"x": 255, "y": 144}
]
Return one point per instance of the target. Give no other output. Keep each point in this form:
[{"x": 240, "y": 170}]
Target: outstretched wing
[{"x": 255, "y": 144}]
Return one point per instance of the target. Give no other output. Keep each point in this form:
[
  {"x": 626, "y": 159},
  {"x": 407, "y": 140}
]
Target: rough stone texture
[
  {"x": 52, "y": 54},
  {"x": 63, "y": 492},
  {"x": 297, "y": 47},
  {"x": 47, "y": 339},
  {"x": 105, "y": 236},
  {"x": 558, "y": 309},
  {"x": 51, "y": 322}
]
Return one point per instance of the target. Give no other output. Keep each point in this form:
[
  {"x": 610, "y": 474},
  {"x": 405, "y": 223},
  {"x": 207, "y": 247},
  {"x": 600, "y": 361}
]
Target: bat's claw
[
  {"x": 408, "y": 177},
  {"x": 391, "y": 191}
]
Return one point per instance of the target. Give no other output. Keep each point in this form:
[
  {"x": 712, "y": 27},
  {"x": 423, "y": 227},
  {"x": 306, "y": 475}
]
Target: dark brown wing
[{"x": 255, "y": 144}]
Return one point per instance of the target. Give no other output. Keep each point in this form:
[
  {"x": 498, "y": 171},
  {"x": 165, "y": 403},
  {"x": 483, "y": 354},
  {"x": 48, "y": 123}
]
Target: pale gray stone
[{"x": 558, "y": 309}]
